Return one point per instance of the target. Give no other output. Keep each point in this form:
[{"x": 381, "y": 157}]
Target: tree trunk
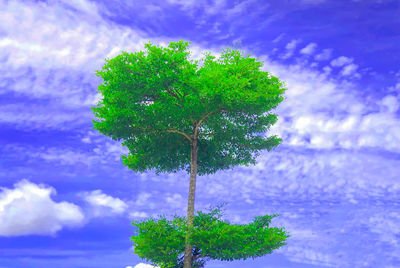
[{"x": 188, "y": 260}]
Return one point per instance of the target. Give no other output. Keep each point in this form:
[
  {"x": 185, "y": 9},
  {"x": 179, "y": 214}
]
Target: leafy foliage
[
  {"x": 212, "y": 239},
  {"x": 155, "y": 102}
]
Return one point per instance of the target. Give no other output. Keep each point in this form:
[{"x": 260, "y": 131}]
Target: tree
[
  {"x": 165, "y": 109},
  {"x": 161, "y": 241}
]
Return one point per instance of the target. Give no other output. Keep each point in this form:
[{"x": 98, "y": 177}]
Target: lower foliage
[{"x": 162, "y": 241}]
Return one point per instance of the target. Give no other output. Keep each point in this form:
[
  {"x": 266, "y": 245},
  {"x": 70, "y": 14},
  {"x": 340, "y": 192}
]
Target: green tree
[
  {"x": 165, "y": 109},
  {"x": 161, "y": 241}
]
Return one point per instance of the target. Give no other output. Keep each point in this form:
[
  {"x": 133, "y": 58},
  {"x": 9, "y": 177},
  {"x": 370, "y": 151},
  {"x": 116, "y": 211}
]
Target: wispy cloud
[
  {"x": 240, "y": 8},
  {"x": 278, "y": 38},
  {"x": 86, "y": 7},
  {"x": 306, "y": 88},
  {"x": 215, "y": 7}
]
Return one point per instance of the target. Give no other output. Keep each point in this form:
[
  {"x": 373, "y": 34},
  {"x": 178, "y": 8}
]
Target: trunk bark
[{"x": 188, "y": 259}]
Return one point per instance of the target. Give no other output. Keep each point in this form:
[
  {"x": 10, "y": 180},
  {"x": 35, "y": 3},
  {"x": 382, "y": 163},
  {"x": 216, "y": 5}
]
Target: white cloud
[
  {"x": 28, "y": 210},
  {"x": 278, "y": 38},
  {"x": 73, "y": 47},
  {"x": 143, "y": 265},
  {"x": 339, "y": 105},
  {"x": 215, "y": 29},
  {"x": 325, "y": 55},
  {"x": 214, "y": 9},
  {"x": 342, "y": 60},
  {"x": 97, "y": 198},
  {"x": 142, "y": 199},
  {"x": 152, "y": 11},
  {"x": 135, "y": 214},
  {"x": 349, "y": 69},
  {"x": 188, "y": 6},
  {"x": 84, "y": 6},
  {"x": 65, "y": 56},
  {"x": 327, "y": 69},
  {"x": 176, "y": 200},
  {"x": 103, "y": 40},
  {"x": 395, "y": 87},
  {"x": 290, "y": 48},
  {"x": 292, "y": 45},
  {"x": 389, "y": 104},
  {"x": 239, "y": 8},
  {"x": 309, "y": 49},
  {"x": 68, "y": 156}
]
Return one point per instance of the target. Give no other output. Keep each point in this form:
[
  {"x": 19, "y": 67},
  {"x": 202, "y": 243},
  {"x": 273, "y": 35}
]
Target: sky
[{"x": 66, "y": 199}]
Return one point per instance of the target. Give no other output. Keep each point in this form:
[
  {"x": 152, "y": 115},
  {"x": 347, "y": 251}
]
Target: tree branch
[
  {"x": 180, "y": 106},
  {"x": 135, "y": 72},
  {"x": 197, "y": 257},
  {"x": 207, "y": 115},
  {"x": 173, "y": 94},
  {"x": 180, "y": 132}
]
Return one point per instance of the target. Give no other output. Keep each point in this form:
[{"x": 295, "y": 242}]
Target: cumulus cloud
[
  {"x": 29, "y": 210},
  {"x": 98, "y": 199},
  {"x": 340, "y": 61},
  {"x": 389, "y": 104},
  {"x": 309, "y": 49},
  {"x": 290, "y": 47},
  {"x": 349, "y": 69},
  {"x": 325, "y": 55}
]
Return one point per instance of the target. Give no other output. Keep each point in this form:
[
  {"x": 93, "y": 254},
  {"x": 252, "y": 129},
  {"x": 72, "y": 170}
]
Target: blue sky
[{"x": 68, "y": 201}]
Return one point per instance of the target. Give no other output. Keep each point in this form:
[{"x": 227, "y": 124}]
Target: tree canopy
[{"x": 153, "y": 103}]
